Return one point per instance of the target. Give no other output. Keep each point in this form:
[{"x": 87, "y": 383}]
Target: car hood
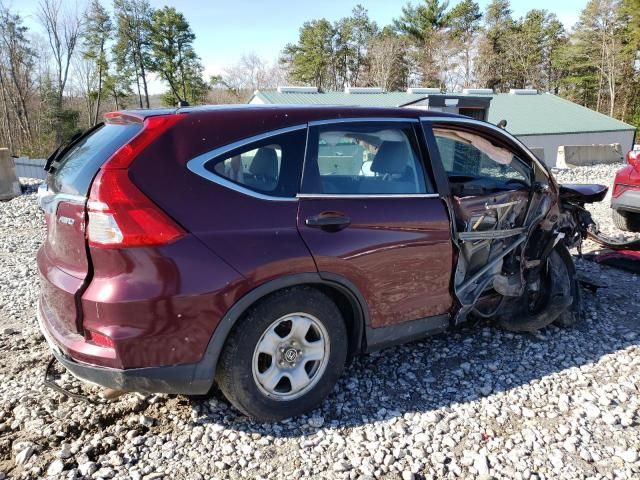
[{"x": 587, "y": 193}]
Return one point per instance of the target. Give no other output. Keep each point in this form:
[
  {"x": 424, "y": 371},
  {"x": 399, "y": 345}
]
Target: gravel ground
[{"x": 481, "y": 402}]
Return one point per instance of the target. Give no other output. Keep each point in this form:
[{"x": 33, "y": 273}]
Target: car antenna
[
  {"x": 182, "y": 103},
  {"x": 502, "y": 124}
]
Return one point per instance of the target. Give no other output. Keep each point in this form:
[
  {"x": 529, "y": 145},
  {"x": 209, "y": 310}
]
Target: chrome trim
[
  {"x": 49, "y": 201},
  {"x": 315, "y": 123},
  {"x": 491, "y": 126},
  {"x": 368, "y": 195},
  {"x": 196, "y": 164}
]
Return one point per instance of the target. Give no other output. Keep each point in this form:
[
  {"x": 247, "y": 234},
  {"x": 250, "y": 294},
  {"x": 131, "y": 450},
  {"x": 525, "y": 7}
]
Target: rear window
[
  {"x": 79, "y": 165},
  {"x": 271, "y": 166}
]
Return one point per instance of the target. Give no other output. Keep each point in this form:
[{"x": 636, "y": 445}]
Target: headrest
[
  {"x": 265, "y": 163},
  {"x": 391, "y": 158}
]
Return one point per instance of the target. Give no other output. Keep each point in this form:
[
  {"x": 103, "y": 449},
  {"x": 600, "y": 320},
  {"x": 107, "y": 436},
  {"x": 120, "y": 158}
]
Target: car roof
[{"x": 311, "y": 112}]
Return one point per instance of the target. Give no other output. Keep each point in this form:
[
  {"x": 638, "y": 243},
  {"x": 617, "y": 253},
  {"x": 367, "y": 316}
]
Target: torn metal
[{"x": 513, "y": 253}]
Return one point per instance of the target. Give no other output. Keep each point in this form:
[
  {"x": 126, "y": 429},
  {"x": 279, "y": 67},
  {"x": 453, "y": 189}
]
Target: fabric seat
[
  {"x": 393, "y": 173},
  {"x": 264, "y": 169}
]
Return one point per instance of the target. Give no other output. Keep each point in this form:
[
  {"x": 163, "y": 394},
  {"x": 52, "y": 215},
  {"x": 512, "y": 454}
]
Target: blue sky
[{"x": 227, "y": 29}]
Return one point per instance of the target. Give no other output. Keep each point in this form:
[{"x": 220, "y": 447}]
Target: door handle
[{"x": 328, "y": 220}]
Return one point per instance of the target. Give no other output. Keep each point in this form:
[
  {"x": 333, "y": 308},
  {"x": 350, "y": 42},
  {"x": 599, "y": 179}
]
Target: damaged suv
[{"x": 262, "y": 247}]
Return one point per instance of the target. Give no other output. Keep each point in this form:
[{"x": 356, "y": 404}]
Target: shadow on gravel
[{"x": 474, "y": 362}]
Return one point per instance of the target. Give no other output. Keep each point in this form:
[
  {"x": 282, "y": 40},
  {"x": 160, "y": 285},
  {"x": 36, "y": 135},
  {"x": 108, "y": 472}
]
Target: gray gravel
[{"x": 481, "y": 402}]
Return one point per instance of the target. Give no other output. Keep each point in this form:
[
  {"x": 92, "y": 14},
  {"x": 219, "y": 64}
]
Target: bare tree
[
  {"x": 251, "y": 73},
  {"x": 386, "y": 62},
  {"x": 16, "y": 79},
  {"x": 85, "y": 82},
  {"x": 63, "y": 30}
]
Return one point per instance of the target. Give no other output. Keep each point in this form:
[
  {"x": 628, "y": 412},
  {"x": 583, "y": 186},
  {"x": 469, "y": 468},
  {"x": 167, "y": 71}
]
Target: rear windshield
[{"x": 80, "y": 164}]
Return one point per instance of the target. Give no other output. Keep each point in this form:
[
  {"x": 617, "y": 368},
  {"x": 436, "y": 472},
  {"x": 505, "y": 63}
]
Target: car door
[
  {"x": 369, "y": 214},
  {"x": 491, "y": 192}
]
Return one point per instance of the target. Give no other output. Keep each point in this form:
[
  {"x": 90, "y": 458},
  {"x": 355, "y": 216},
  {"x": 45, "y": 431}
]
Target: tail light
[
  {"x": 99, "y": 339},
  {"x": 120, "y": 215}
]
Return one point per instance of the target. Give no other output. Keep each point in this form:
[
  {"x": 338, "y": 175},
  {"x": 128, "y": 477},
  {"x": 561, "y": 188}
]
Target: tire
[
  {"x": 626, "y": 221},
  {"x": 559, "y": 300},
  {"x": 564, "y": 262},
  {"x": 270, "y": 370}
]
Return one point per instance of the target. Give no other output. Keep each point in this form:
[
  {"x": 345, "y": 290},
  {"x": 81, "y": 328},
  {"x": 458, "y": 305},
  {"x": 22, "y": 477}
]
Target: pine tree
[
  {"x": 98, "y": 28},
  {"x": 174, "y": 58}
]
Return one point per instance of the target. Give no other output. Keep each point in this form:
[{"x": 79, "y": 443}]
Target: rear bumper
[
  {"x": 628, "y": 200},
  {"x": 177, "y": 379}
]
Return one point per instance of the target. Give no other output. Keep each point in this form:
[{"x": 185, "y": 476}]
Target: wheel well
[
  {"x": 346, "y": 297},
  {"x": 346, "y": 302},
  {"x": 351, "y": 313}
]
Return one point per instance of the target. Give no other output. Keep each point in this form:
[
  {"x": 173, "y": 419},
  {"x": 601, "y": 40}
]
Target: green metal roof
[
  {"x": 542, "y": 114},
  {"x": 548, "y": 114}
]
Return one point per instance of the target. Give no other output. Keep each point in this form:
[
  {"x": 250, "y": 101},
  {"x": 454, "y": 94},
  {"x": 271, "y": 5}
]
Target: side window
[
  {"x": 270, "y": 166},
  {"x": 468, "y": 157},
  {"x": 364, "y": 159}
]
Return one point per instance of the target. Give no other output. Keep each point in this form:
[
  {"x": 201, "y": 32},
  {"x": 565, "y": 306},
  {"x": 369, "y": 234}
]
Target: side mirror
[{"x": 633, "y": 157}]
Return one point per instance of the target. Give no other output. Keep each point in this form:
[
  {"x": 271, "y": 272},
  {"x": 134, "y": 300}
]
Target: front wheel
[
  {"x": 285, "y": 356},
  {"x": 557, "y": 299}
]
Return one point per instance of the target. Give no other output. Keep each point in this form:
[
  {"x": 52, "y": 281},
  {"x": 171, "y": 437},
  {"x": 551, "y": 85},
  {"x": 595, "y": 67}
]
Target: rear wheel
[
  {"x": 285, "y": 355},
  {"x": 626, "y": 221}
]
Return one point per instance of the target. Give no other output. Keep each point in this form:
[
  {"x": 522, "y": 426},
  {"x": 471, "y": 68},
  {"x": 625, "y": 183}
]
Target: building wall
[
  {"x": 31, "y": 167},
  {"x": 550, "y": 143}
]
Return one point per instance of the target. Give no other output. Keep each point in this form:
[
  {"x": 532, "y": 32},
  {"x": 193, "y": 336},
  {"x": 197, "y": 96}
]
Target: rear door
[
  {"x": 62, "y": 259},
  {"x": 369, "y": 213}
]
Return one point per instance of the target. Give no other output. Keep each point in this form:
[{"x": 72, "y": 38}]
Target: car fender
[{"x": 206, "y": 368}]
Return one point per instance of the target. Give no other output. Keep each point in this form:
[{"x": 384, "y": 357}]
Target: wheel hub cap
[{"x": 291, "y": 356}]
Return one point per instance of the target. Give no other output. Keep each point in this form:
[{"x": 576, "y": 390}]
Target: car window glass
[
  {"x": 465, "y": 154},
  {"x": 257, "y": 168},
  {"x": 366, "y": 159},
  {"x": 79, "y": 165},
  {"x": 270, "y": 166}
]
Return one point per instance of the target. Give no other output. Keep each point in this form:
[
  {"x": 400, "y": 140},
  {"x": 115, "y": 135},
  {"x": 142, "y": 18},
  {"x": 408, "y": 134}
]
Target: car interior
[
  {"x": 366, "y": 162},
  {"x": 257, "y": 169}
]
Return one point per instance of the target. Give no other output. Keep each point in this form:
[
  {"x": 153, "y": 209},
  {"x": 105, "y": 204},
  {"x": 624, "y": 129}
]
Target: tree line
[
  {"x": 82, "y": 63},
  {"x": 433, "y": 44}
]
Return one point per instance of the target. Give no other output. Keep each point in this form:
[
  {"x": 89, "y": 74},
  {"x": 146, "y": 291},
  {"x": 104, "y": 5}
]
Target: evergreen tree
[
  {"x": 173, "y": 57},
  {"x": 310, "y": 60},
  {"x": 465, "y": 23},
  {"x": 132, "y": 46},
  {"x": 97, "y": 32},
  {"x": 423, "y": 25}
]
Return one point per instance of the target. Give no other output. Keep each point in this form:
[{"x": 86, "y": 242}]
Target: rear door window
[
  {"x": 270, "y": 166},
  {"x": 75, "y": 170},
  {"x": 365, "y": 159}
]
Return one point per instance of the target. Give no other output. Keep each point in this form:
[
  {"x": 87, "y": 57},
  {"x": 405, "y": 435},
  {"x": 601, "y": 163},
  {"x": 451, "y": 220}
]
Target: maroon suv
[{"x": 261, "y": 247}]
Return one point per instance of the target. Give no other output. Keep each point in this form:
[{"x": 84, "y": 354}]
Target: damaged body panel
[
  {"x": 512, "y": 226},
  {"x": 264, "y": 256}
]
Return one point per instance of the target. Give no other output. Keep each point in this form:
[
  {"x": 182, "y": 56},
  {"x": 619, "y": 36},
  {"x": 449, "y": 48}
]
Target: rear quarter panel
[
  {"x": 258, "y": 238},
  {"x": 159, "y": 304}
]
